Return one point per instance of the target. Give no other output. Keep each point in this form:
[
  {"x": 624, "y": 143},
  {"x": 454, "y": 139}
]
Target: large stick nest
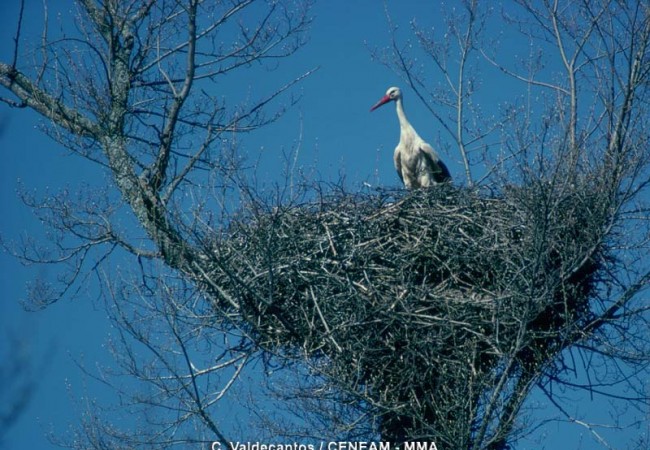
[{"x": 400, "y": 293}]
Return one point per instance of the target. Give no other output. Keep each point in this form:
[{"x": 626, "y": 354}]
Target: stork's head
[{"x": 392, "y": 94}]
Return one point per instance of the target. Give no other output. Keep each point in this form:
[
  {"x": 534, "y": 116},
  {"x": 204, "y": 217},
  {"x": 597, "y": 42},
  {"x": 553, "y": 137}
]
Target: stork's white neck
[{"x": 404, "y": 125}]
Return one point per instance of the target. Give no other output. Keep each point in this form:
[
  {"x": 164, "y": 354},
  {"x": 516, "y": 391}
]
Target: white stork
[{"x": 417, "y": 163}]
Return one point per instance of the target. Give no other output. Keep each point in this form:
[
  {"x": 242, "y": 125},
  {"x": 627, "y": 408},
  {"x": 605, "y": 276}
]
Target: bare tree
[
  {"x": 430, "y": 315},
  {"x": 132, "y": 89},
  {"x": 561, "y": 142}
]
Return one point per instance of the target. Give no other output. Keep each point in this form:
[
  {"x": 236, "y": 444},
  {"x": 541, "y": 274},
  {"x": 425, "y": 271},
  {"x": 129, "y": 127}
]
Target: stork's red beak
[{"x": 385, "y": 99}]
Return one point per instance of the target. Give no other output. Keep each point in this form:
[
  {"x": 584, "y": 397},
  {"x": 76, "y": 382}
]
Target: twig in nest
[{"x": 327, "y": 328}]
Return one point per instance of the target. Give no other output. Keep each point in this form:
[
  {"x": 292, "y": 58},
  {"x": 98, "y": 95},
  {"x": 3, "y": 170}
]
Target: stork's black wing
[{"x": 434, "y": 163}]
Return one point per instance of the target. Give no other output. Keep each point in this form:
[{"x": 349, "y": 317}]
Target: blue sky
[{"x": 335, "y": 132}]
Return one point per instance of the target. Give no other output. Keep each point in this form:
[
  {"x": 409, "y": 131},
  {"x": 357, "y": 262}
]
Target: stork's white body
[{"x": 417, "y": 163}]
